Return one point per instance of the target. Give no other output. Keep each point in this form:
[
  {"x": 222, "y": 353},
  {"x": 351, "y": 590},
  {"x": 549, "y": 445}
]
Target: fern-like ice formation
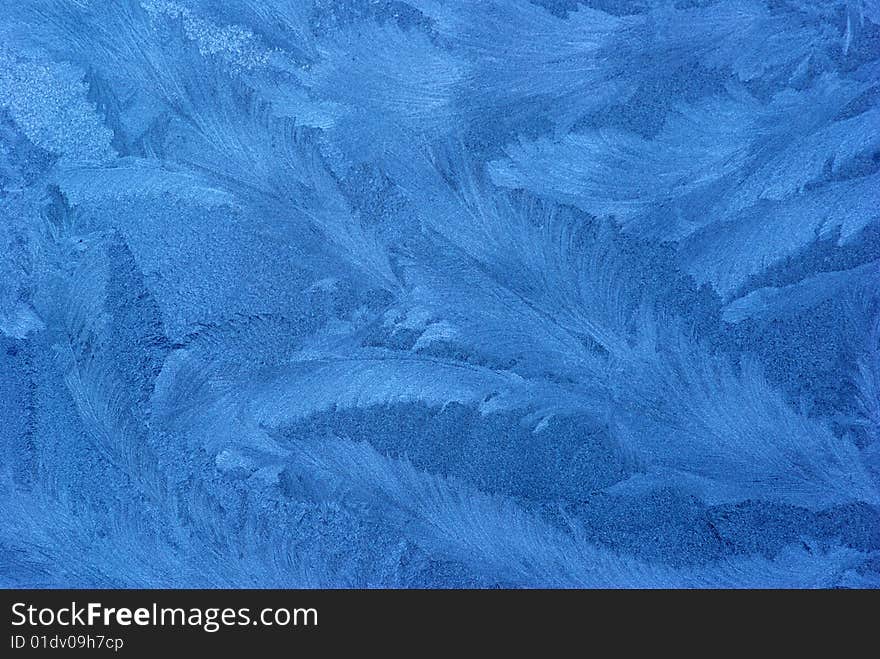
[{"x": 433, "y": 293}]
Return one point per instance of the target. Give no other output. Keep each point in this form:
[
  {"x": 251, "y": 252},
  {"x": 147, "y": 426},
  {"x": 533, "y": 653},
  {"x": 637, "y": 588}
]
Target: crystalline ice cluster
[{"x": 440, "y": 293}]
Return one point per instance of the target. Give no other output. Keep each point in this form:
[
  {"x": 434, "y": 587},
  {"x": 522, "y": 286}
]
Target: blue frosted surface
[{"x": 440, "y": 293}]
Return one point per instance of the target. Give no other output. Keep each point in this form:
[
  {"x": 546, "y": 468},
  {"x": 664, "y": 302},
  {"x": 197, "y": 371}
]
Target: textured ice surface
[{"x": 434, "y": 293}]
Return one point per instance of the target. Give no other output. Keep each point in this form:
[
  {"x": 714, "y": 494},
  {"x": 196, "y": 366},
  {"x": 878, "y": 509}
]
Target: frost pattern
[{"x": 439, "y": 293}]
